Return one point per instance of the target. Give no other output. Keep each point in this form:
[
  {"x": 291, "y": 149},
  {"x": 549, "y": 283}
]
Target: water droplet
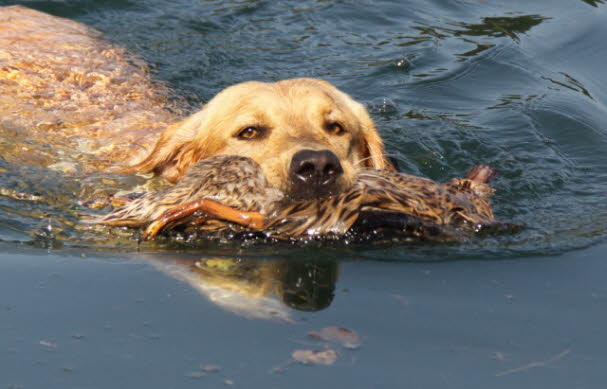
[{"x": 383, "y": 105}]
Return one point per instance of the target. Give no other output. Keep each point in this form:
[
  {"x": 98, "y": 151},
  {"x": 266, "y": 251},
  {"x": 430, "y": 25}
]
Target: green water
[{"x": 451, "y": 84}]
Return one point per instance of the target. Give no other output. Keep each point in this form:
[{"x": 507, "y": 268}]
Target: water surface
[{"x": 451, "y": 84}]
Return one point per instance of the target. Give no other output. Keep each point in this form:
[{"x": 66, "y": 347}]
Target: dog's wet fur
[{"x": 311, "y": 159}]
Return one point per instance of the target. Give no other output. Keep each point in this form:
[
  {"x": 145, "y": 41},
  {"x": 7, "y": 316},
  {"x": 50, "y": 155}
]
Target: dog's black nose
[{"x": 314, "y": 173}]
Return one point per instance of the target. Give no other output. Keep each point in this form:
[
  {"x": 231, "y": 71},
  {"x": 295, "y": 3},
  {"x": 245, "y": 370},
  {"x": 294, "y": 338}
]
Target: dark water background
[{"x": 520, "y": 85}]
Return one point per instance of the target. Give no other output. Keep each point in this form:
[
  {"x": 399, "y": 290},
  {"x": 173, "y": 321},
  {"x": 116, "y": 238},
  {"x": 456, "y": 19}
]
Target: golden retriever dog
[
  {"x": 309, "y": 138},
  {"x": 62, "y": 84}
]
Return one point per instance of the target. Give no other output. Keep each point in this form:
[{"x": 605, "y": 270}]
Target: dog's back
[{"x": 62, "y": 85}]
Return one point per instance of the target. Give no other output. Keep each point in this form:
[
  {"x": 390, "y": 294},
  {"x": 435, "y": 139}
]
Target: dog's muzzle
[{"x": 314, "y": 174}]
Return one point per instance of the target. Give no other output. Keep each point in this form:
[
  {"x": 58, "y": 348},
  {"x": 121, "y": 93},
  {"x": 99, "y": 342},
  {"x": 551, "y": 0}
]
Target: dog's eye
[
  {"x": 250, "y": 133},
  {"x": 335, "y": 128}
]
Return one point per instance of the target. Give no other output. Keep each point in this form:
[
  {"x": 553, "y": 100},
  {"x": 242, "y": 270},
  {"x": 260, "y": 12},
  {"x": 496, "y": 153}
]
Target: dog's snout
[{"x": 314, "y": 173}]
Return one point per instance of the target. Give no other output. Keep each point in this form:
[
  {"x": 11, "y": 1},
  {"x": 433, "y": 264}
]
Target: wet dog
[
  {"x": 309, "y": 138},
  {"x": 308, "y": 143},
  {"x": 62, "y": 84}
]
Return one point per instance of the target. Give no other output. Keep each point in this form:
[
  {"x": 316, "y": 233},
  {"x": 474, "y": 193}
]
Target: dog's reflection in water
[{"x": 258, "y": 289}]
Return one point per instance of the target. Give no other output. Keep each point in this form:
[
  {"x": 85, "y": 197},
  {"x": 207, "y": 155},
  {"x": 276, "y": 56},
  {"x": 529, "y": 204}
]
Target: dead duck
[{"x": 224, "y": 191}]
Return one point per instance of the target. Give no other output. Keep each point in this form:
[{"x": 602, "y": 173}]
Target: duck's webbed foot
[
  {"x": 481, "y": 174},
  {"x": 211, "y": 209}
]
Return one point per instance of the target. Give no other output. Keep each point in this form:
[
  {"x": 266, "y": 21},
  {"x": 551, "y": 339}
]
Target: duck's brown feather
[{"x": 239, "y": 183}]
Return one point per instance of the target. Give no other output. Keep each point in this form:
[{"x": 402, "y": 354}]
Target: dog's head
[{"x": 309, "y": 138}]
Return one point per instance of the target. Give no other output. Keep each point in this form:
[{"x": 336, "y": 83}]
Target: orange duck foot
[{"x": 212, "y": 209}]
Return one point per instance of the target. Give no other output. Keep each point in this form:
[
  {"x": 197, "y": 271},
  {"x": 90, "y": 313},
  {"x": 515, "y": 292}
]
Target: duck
[{"x": 230, "y": 192}]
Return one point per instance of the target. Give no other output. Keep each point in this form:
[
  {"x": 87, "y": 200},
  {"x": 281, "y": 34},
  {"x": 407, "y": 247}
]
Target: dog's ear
[
  {"x": 373, "y": 150},
  {"x": 176, "y": 149}
]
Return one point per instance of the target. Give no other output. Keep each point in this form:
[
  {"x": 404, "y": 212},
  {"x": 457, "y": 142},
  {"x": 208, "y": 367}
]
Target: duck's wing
[
  {"x": 236, "y": 183},
  {"x": 417, "y": 197},
  {"x": 333, "y": 216}
]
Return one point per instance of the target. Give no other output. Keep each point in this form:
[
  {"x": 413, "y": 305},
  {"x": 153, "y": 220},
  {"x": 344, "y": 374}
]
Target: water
[{"x": 519, "y": 85}]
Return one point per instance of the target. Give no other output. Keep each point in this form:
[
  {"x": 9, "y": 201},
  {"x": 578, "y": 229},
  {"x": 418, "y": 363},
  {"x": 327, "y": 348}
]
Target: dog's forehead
[
  {"x": 311, "y": 93},
  {"x": 285, "y": 99}
]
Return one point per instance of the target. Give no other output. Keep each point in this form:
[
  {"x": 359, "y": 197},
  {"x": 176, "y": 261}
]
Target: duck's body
[
  {"x": 233, "y": 181},
  {"x": 388, "y": 199},
  {"x": 233, "y": 189}
]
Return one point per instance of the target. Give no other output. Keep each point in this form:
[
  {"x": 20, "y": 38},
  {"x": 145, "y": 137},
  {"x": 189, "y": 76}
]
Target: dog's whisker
[
  {"x": 362, "y": 160},
  {"x": 374, "y": 175},
  {"x": 382, "y": 155}
]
